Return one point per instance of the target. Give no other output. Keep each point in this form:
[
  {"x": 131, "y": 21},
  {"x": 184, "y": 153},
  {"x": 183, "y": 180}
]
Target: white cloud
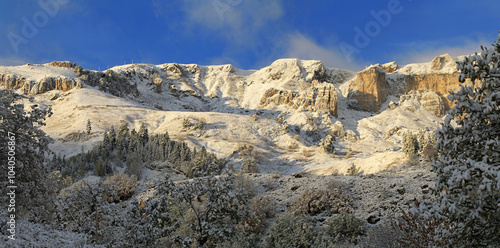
[
  {"x": 426, "y": 51},
  {"x": 236, "y": 20},
  {"x": 302, "y": 47}
]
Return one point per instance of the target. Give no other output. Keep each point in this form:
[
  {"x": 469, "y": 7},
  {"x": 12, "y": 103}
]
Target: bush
[
  {"x": 335, "y": 184},
  {"x": 353, "y": 170},
  {"x": 306, "y": 153},
  {"x": 289, "y": 231},
  {"x": 328, "y": 144},
  {"x": 261, "y": 208},
  {"x": 201, "y": 124},
  {"x": 312, "y": 202},
  {"x": 249, "y": 165},
  {"x": 381, "y": 235},
  {"x": 413, "y": 230},
  {"x": 123, "y": 185},
  {"x": 345, "y": 227},
  {"x": 240, "y": 240},
  {"x": 186, "y": 124},
  {"x": 410, "y": 144}
]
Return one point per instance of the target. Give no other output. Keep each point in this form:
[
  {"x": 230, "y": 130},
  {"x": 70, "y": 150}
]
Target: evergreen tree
[
  {"x": 112, "y": 136},
  {"x": 99, "y": 169},
  {"x": 328, "y": 144},
  {"x": 143, "y": 134},
  {"x": 89, "y": 127},
  {"x": 468, "y": 169},
  {"x": 24, "y": 146},
  {"x": 410, "y": 144}
]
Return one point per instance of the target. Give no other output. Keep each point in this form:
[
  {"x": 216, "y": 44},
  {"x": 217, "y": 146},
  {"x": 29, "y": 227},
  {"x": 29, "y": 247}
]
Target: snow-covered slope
[{"x": 285, "y": 131}]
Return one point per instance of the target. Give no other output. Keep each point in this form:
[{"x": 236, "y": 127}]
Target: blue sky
[{"x": 248, "y": 34}]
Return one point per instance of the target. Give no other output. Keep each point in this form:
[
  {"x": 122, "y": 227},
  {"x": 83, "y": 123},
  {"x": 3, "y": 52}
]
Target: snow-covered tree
[
  {"x": 143, "y": 134},
  {"x": 468, "y": 169},
  {"x": 410, "y": 144},
  {"x": 328, "y": 144},
  {"x": 215, "y": 202},
  {"x": 24, "y": 146},
  {"x": 89, "y": 127},
  {"x": 86, "y": 208}
]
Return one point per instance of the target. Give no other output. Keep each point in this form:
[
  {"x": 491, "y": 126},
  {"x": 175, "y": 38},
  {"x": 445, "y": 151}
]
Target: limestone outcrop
[
  {"x": 436, "y": 79},
  {"x": 320, "y": 97},
  {"x": 15, "y": 82},
  {"x": 369, "y": 89}
]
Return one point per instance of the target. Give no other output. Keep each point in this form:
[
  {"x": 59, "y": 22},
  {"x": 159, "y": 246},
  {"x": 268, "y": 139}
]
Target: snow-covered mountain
[{"x": 284, "y": 110}]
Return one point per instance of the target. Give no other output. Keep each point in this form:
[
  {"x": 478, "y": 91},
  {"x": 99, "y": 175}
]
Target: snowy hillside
[{"x": 240, "y": 107}]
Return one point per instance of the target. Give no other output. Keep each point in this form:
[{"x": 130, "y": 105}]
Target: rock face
[
  {"x": 319, "y": 97},
  {"x": 370, "y": 89},
  {"x": 43, "y": 85},
  {"x": 436, "y": 79},
  {"x": 441, "y": 61},
  {"x": 390, "y": 67},
  {"x": 65, "y": 64},
  {"x": 426, "y": 98},
  {"x": 434, "y": 103}
]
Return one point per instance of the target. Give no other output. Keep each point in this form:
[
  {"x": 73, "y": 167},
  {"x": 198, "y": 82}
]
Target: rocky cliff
[
  {"x": 434, "y": 80},
  {"x": 42, "y": 85},
  {"x": 320, "y": 97},
  {"x": 370, "y": 89}
]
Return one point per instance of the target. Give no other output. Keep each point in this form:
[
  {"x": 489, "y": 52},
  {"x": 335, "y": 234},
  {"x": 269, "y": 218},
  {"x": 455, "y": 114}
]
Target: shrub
[
  {"x": 285, "y": 127},
  {"x": 410, "y": 144},
  {"x": 353, "y": 170},
  {"x": 296, "y": 137},
  {"x": 414, "y": 160},
  {"x": 416, "y": 231},
  {"x": 289, "y": 231},
  {"x": 123, "y": 185},
  {"x": 249, "y": 165},
  {"x": 312, "y": 202},
  {"x": 306, "y": 152},
  {"x": 240, "y": 240},
  {"x": 381, "y": 235},
  {"x": 186, "y": 124},
  {"x": 261, "y": 208},
  {"x": 335, "y": 184},
  {"x": 245, "y": 150},
  {"x": 200, "y": 125},
  {"x": 243, "y": 184},
  {"x": 328, "y": 144},
  {"x": 345, "y": 227}
]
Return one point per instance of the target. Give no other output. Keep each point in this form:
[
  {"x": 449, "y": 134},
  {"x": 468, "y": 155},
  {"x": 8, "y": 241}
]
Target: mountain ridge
[{"x": 284, "y": 110}]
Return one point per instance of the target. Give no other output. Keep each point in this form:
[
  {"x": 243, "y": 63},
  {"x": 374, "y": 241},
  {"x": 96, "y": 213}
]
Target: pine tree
[
  {"x": 410, "y": 144},
  {"x": 89, "y": 127},
  {"x": 23, "y": 149},
  {"x": 112, "y": 136},
  {"x": 328, "y": 144},
  {"x": 468, "y": 169},
  {"x": 143, "y": 134}
]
